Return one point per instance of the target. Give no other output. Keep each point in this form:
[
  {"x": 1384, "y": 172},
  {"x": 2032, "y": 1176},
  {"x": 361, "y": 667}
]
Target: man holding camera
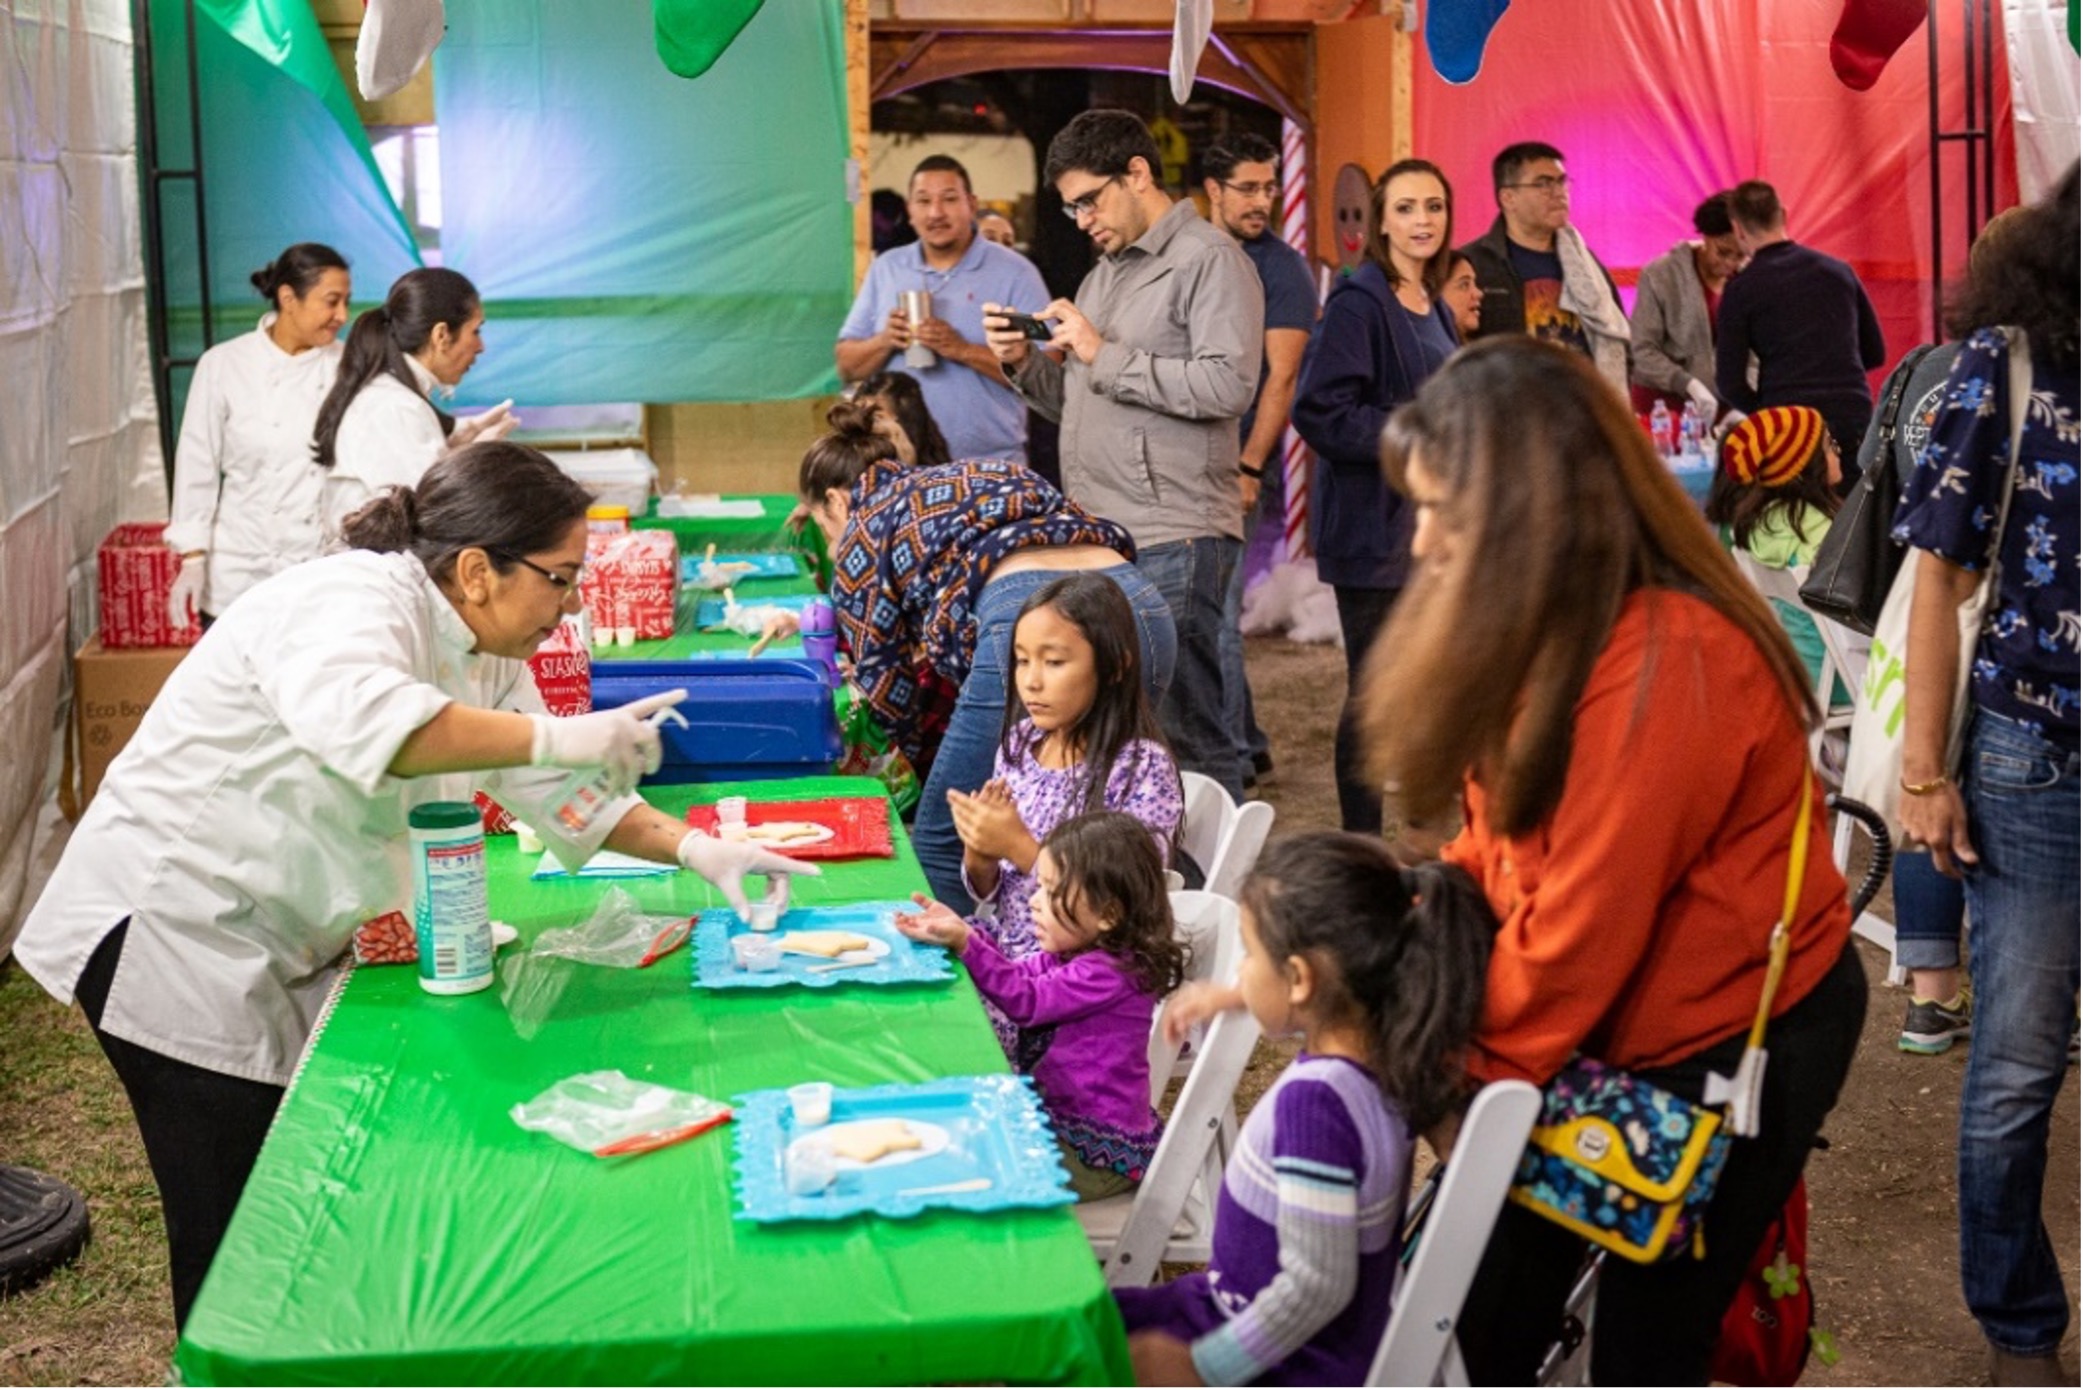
[{"x": 1161, "y": 353}]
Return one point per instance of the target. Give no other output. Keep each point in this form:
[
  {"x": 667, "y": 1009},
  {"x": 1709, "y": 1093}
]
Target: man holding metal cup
[{"x": 926, "y": 301}]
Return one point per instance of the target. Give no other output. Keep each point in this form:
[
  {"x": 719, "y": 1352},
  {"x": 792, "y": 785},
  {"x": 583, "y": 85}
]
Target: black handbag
[{"x": 1856, "y": 563}]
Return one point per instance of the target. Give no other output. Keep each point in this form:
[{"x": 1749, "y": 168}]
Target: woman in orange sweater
[{"x": 1625, "y": 723}]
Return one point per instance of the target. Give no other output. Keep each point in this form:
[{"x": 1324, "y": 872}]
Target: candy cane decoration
[{"x": 1295, "y": 457}]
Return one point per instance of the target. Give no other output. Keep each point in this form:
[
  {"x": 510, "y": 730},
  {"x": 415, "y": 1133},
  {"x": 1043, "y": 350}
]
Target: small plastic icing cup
[
  {"x": 731, "y": 811},
  {"x": 757, "y": 954},
  {"x": 525, "y": 838},
  {"x": 811, "y": 1169},
  {"x": 625, "y": 637},
  {"x": 811, "y": 1103},
  {"x": 762, "y": 916}
]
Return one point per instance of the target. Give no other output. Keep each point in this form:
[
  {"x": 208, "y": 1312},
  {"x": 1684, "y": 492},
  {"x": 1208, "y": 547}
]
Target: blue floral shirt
[{"x": 2026, "y": 667}]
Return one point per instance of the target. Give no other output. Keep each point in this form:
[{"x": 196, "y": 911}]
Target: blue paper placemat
[
  {"x": 984, "y": 1136},
  {"x": 765, "y": 564},
  {"x": 905, "y": 962},
  {"x": 709, "y": 611}
]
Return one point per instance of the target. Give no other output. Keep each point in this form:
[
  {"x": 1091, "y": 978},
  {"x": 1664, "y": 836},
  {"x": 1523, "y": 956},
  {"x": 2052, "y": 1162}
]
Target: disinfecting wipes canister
[{"x": 448, "y": 897}]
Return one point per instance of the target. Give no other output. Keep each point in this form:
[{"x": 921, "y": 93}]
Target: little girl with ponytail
[{"x": 1381, "y": 970}]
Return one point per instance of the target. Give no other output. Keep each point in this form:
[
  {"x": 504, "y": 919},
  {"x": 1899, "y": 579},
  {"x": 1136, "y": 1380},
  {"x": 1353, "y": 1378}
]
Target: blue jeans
[
  {"x": 977, "y": 726},
  {"x": 2022, "y": 897},
  {"x": 1193, "y": 575},
  {"x": 1237, "y": 710},
  {"x": 1928, "y": 910}
]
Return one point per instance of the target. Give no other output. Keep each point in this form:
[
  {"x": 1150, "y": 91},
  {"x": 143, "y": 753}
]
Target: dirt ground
[{"x": 1883, "y": 1245}]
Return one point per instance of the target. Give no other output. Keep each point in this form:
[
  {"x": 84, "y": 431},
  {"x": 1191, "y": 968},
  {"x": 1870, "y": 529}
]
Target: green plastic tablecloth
[
  {"x": 767, "y": 531},
  {"x": 690, "y": 643},
  {"x": 400, "y": 1228}
]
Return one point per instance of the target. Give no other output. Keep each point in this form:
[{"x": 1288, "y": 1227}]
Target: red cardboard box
[
  {"x": 633, "y": 580},
  {"x": 564, "y": 672},
  {"x": 137, "y": 573}
]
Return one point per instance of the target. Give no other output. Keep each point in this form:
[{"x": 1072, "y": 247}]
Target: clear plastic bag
[
  {"x": 607, "y": 1114},
  {"x": 619, "y": 934}
]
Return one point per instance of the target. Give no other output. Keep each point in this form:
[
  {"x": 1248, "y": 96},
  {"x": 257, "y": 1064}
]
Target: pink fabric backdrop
[{"x": 1656, "y": 103}]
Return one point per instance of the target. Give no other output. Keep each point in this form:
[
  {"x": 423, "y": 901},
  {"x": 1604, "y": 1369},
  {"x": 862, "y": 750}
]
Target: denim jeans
[
  {"x": 977, "y": 725},
  {"x": 1192, "y": 575},
  {"x": 1237, "y": 710},
  {"x": 2022, "y": 897},
  {"x": 1928, "y": 910}
]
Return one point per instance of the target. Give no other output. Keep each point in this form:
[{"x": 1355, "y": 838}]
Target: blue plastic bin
[{"x": 745, "y": 719}]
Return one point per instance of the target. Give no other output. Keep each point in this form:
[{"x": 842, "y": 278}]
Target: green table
[
  {"x": 690, "y": 643},
  {"x": 767, "y": 531},
  {"x": 401, "y": 1228}
]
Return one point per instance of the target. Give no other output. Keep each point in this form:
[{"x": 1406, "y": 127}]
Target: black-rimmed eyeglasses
[{"x": 1083, "y": 206}]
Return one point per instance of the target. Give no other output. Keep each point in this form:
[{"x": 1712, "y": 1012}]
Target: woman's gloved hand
[
  {"x": 623, "y": 742},
  {"x": 496, "y": 423},
  {"x": 726, "y": 862},
  {"x": 184, "y": 600}
]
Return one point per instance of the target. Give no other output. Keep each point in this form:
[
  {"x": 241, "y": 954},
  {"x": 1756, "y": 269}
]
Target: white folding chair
[
  {"x": 1419, "y": 1347},
  {"x": 1844, "y": 660},
  {"x": 1223, "y": 837},
  {"x": 1171, "y": 1214}
]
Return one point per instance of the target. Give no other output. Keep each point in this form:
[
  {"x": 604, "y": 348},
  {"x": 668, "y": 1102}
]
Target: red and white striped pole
[{"x": 1295, "y": 458}]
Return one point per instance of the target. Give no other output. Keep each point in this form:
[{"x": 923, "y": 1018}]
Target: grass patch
[{"x": 107, "y": 1319}]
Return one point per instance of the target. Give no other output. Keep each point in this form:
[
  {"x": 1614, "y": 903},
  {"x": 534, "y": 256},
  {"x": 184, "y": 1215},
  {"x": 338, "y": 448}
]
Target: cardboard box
[
  {"x": 563, "y": 669},
  {"x": 632, "y": 580},
  {"x": 137, "y": 573},
  {"x": 110, "y": 693}
]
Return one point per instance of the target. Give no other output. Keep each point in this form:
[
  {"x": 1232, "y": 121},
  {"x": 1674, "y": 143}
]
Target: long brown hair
[
  {"x": 1558, "y": 508},
  {"x": 1440, "y": 264}
]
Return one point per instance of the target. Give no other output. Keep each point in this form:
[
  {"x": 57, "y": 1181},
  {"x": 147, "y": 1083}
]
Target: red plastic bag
[{"x": 1765, "y": 1334}]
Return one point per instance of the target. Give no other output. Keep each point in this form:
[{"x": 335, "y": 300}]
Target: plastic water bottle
[
  {"x": 448, "y": 897},
  {"x": 1660, "y": 428},
  {"x": 1692, "y": 453},
  {"x": 820, "y": 631}
]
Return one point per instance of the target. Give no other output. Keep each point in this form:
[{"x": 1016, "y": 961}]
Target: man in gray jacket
[{"x": 1160, "y": 359}]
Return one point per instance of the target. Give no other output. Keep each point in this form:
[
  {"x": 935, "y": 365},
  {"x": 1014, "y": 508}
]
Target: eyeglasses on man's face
[
  {"x": 1546, "y": 183},
  {"x": 1085, "y": 204},
  {"x": 1251, "y": 190}
]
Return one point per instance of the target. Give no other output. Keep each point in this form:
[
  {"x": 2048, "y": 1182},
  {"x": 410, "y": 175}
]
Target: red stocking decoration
[{"x": 1867, "y": 36}]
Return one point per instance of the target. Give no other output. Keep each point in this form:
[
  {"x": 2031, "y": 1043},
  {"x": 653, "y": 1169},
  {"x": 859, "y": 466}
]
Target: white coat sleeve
[
  {"x": 199, "y": 458},
  {"x": 531, "y": 792}
]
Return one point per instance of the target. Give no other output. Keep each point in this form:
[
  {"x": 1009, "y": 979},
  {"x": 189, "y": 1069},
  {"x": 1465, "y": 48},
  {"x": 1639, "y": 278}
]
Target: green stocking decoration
[{"x": 692, "y": 34}]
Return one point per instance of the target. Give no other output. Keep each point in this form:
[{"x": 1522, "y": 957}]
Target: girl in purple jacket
[{"x": 1084, "y": 1001}]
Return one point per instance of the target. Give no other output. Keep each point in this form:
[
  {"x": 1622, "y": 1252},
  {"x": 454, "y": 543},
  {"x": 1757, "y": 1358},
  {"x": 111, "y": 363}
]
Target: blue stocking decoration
[{"x": 1455, "y": 32}]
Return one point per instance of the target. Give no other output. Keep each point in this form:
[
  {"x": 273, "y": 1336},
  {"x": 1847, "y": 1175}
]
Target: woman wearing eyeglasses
[
  {"x": 204, "y": 907},
  {"x": 379, "y": 426}
]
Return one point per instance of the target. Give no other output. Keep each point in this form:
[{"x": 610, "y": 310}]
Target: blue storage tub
[{"x": 745, "y": 719}]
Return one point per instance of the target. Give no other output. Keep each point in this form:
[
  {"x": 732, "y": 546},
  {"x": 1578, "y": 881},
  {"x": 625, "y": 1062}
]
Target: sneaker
[{"x": 1929, "y": 1027}]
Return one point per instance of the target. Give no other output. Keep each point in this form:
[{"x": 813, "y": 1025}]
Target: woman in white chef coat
[
  {"x": 379, "y": 426},
  {"x": 203, "y": 906},
  {"x": 245, "y": 502}
]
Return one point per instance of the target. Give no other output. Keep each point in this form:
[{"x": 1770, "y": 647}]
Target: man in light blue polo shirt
[{"x": 976, "y": 409}]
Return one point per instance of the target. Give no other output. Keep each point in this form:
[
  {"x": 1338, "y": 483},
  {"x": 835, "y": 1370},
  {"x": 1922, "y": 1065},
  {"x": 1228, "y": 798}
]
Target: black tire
[{"x": 43, "y": 1224}]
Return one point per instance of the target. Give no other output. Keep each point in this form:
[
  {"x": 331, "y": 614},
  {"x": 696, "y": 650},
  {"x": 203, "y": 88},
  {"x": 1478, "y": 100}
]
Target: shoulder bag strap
[{"x": 1782, "y": 938}]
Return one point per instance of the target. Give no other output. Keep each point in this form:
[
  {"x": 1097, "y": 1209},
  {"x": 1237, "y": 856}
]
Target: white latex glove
[
  {"x": 185, "y": 599},
  {"x": 1702, "y": 395},
  {"x": 496, "y": 423},
  {"x": 623, "y": 742},
  {"x": 726, "y": 862}
]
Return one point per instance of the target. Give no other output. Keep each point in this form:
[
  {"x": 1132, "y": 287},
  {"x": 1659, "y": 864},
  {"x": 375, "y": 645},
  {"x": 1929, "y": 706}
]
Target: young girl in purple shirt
[{"x": 1084, "y": 999}]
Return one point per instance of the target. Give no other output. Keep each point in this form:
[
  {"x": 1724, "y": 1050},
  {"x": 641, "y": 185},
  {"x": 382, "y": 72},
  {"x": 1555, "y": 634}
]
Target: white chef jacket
[
  {"x": 245, "y": 487},
  {"x": 249, "y": 827},
  {"x": 389, "y": 437}
]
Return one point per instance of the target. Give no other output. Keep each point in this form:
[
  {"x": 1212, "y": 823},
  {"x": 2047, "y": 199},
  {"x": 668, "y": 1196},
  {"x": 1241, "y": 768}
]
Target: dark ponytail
[
  {"x": 507, "y": 499},
  {"x": 299, "y": 269},
  {"x": 1408, "y": 949},
  {"x": 383, "y": 338},
  {"x": 840, "y": 458}
]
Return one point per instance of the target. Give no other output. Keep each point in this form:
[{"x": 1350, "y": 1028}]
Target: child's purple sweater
[{"x": 1090, "y": 1022}]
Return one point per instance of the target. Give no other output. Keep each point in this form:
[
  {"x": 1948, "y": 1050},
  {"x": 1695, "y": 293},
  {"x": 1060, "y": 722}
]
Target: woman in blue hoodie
[{"x": 1384, "y": 330}]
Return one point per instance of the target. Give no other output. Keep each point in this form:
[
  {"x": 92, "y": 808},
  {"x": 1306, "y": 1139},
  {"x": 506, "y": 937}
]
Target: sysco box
[{"x": 137, "y": 572}]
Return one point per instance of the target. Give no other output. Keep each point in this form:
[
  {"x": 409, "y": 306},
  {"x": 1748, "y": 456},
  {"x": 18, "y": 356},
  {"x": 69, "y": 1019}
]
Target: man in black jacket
[
  {"x": 1523, "y": 265},
  {"x": 1806, "y": 319}
]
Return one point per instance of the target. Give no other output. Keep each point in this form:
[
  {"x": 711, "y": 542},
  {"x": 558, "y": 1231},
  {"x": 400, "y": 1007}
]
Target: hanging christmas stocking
[
  {"x": 1867, "y": 36},
  {"x": 1455, "y": 33},
  {"x": 398, "y": 36},
  {"x": 1192, "y": 20},
  {"x": 692, "y": 34}
]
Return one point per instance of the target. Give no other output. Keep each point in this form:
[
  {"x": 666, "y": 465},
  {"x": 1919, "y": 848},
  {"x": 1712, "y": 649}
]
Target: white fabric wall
[
  {"x": 2044, "y": 81},
  {"x": 78, "y": 444}
]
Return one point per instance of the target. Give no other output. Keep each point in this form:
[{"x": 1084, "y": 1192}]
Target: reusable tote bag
[{"x": 1873, "y": 763}]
